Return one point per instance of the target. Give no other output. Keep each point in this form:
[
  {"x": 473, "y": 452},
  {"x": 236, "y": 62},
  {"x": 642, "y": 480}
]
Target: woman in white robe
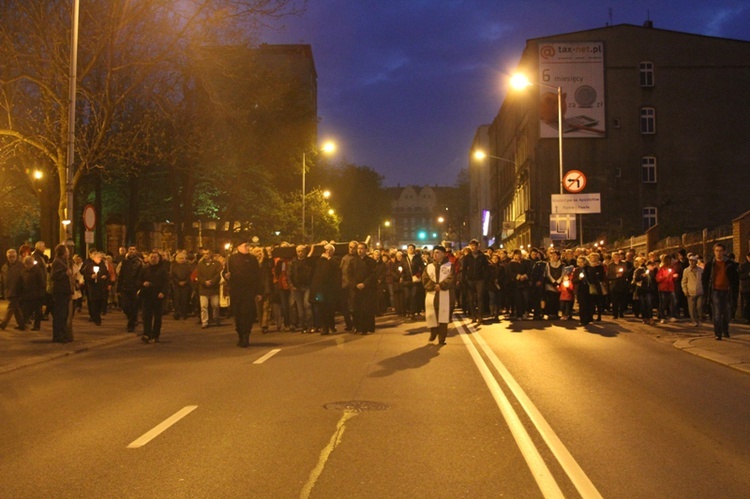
[{"x": 439, "y": 284}]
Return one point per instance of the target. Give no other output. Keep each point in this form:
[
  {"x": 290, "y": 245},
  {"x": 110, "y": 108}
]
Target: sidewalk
[{"x": 25, "y": 348}]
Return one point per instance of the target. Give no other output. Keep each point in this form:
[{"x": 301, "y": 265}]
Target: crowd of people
[{"x": 270, "y": 287}]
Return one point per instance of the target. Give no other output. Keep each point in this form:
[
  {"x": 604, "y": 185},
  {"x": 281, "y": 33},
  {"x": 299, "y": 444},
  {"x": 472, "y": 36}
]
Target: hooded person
[{"x": 439, "y": 284}]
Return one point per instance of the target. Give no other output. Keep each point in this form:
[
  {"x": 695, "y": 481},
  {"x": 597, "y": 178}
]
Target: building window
[
  {"x": 648, "y": 120},
  {"x": 649, "y": 217},
  {"x": 648, "y": 170},
  {"x": 647, "y": 74}
]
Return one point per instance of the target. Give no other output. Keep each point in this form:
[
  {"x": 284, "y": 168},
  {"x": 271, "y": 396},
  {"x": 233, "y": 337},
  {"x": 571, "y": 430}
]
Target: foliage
[
  {"x": 131, "y": 74},
  {"x": 358, "y": 197}
]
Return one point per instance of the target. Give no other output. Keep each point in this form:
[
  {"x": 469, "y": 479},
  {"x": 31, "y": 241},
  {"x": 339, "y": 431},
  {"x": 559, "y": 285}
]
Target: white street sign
[
  {"x": 573, "y": 204},
  {"x": 562, "y": 227}
]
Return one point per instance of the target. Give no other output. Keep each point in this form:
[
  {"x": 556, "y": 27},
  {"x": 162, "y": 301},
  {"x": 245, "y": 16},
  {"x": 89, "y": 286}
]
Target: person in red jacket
[{"x": 665, "y": 280}]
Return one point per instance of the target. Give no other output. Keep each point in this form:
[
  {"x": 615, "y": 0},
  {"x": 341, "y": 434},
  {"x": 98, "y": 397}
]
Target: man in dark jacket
[
  {"x": 242, "y": 272},
  {"x": 153, "y": 282},
  {"x": 62, "y": 292},
  {"x": 32, "y": 290},
  {"x": 719, "y": 278},
  {"x": 14, "y": 269},
  {"x": 127, "y": 286},
  {"x": 324, "y": 288},
  {"x": 362, "y": 275},
  {"x": 300, "y": 275},
  {"x": 474, "y": 266},
  {"x": 411, "y": 281}
]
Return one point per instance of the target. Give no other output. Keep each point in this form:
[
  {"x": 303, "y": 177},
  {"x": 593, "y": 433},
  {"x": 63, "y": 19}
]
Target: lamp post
[
  {"x": 520, "y": 81},
  {"x": 387, "y": 223},
  {"x": 326, "y": 195},
  {"x": 71, "y": 123},
  {"x": 328, "y": 148}
]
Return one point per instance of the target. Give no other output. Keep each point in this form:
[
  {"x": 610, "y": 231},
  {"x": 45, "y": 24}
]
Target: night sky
[{"x": 403, "y": 84}]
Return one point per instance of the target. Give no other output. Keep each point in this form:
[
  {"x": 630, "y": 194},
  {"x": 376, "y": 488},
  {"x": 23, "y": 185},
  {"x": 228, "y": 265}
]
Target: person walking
[
  {"x": 324, "y": 289},
  {"x": 300, "y": 274},
  {"x": 62, "y": 293},
  {"x": 719, "y": 276},
  {"x": 96, "y": 277},
  {"x": 362, "y": 275},
  {"x": 475, "y": 275},
  {"x": 209, "y": 278},
  {"x": 32, "y": 289},
  {"x": 439, "y": 282},
  {"x": 127, "y": 287},
  {"x": 179, "y": 275},
  {"x": 242, "y": 272},
  {"x": 12, "y": 276},
  {"x": 154, "y": 285},
  {"x": 744, "y": 276},
  {"x": 692, "y": 288}
]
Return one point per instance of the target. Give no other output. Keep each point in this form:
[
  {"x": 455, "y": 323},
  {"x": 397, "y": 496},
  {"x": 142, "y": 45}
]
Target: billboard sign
[{"x": 577, "y": 68}]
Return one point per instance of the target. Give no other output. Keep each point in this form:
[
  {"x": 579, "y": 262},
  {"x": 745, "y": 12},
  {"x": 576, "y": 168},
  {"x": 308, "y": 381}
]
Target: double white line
[{"x": 541, "y": 473}]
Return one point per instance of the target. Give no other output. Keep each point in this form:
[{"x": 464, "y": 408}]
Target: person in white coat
[
  {"x": 439, "y": 285},
  {"x": 692, "y": 286}
]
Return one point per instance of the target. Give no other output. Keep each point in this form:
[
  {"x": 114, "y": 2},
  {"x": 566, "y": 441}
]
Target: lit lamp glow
[{"x": 519, "y": 81}]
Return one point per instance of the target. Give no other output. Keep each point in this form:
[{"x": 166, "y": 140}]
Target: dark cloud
[{"x": 403, "y": 84}]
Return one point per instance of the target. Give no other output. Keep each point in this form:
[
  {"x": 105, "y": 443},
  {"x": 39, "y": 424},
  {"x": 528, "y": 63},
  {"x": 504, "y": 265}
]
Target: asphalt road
[{"x": 512, "y": 411}]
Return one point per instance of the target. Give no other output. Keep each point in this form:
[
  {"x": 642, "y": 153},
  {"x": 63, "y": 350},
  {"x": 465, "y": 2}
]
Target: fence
[{"x": 734, "y": 235}]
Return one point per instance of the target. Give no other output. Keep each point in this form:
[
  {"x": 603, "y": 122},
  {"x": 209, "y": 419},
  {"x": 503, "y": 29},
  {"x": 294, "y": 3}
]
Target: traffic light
[{"x": 422, "y": 235}]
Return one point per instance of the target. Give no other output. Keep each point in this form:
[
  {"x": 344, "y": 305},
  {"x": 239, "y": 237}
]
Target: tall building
[
  {"x": 654, "y": 119},
  {"x": 420, "y": 215},
  {"x": 479, "y": 189}
]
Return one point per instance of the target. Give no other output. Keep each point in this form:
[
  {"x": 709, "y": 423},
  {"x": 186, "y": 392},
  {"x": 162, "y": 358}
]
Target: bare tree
[{"x": 131, "y": 58}]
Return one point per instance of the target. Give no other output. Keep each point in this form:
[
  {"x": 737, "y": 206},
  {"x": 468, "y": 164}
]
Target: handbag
[{"x": 593, "y": 290}]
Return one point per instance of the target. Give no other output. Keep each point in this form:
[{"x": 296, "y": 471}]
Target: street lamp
[
  {"x": 328, "y": 148},
  {"x": 387, "y": 223},
  {"x": 480, "y": 155},
  {"x": 519, "y": 81}
]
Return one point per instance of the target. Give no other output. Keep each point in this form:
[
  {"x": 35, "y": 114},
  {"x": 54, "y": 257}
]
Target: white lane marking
[
  {"x": 325, "y": 454},
  {"x": 161, "y": 427},
  {"x": 576, "y": 474},
  {"x": 534, "y": 460},
  {"x": 267, "y": 356}
]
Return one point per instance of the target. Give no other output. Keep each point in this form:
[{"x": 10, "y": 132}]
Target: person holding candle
[
  {"x": 618, "y": 285},
  {"x": 665, "y": 279},
  {"x": 97, "y": 280}
]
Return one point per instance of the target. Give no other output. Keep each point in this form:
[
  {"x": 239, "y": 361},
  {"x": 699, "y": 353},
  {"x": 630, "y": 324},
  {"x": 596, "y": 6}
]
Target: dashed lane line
[{"x": 161, "y": 427}]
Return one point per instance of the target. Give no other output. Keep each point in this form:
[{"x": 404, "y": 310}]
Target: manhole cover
[{"x": 356, "y": 406}]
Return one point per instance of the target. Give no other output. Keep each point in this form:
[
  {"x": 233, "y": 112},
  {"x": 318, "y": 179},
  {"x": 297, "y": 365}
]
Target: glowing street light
[
  {"x": 519, "y": 82},
  {"x": 480, "y": 155},
  {"x": 38, "y": 174},
  {"x": 387, "y": 223},
  {"x": 326, "y": 194},
  {"x": 328, "y": 147}
]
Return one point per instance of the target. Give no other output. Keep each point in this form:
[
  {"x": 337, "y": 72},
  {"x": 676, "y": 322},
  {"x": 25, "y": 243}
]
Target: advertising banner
[{"x": 577, "y": 68}]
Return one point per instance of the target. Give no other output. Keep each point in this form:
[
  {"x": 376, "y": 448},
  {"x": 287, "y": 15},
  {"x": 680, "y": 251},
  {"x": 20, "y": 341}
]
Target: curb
[
  {"x": 64, "y": 353},
  {"x": 686, "y": 346}
]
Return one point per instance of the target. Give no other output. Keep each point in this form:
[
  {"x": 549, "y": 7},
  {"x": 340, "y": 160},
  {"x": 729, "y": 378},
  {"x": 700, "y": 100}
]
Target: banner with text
[
  {"x": 577, "y": 68},
  {"x": 573, "y": 204}
]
